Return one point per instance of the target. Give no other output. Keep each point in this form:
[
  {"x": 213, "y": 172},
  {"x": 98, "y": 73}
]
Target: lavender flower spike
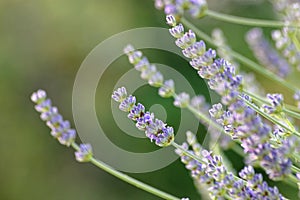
[
  {"x": 60, "y": 129},
  {"x": 220, "y": 73},
  {"x": 265, "y": 54},
  {"x": 155, "y": 129}
]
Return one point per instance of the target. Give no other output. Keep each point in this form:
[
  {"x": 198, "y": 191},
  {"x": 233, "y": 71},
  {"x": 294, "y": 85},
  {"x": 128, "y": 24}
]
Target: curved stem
[
  {"x": 295, "y": 169},
  {"x": 244, "y": 20},
  {"x": 292, "y": 108},
  {"x": 252, "y": 65},
  {"x": 129, "y": 179}
]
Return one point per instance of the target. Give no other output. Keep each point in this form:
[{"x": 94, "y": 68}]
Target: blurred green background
[{"x": 42, "y": 44}]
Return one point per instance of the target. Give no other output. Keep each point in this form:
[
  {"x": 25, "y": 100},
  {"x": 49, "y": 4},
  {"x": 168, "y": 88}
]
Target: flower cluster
[
  {"x": 265, "y": 54},
  {"x": 84, "y": 153},
  {"x": 155, "y": 129},
  {"x": 221, "y": 183},
  {"x": 289, "y": 10},
  {"x": 60, "y": 128},
  {"x": 287, "y": 48},
  {"x": 220, "y": 73},
  {"x": 196, "y": 8}
]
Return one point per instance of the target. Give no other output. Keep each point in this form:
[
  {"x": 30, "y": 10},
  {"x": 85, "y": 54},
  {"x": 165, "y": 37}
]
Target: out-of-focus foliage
[{"x": 42, "y": 44}]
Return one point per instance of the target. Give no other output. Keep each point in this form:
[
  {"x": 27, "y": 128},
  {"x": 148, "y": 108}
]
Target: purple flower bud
[
  {"x": 276, "y": 101},
  {"x": 171, "y": 21},
  {"x": 195, "y": 50},
  {"x": 182, "y": 100},
  {"x": 38, "y": 96},
  {"x": 148, "y": 72},
  {"x": 156, "y": 79},
  {"x": 166, "y": 137},
  {"x": 167, "y": 89},
  {"x": 135, "y": 57},
  {"x": 144, "y": 121},
  {"x": 136, "y": 112},
  {"x": 129, "y": 49},
  {"x": 177, "y": 31},
  {"x": 84, "y": 153},
  {"x": 120, "y": 94},
  {"x": 142, "y": 64},
  {"x": 216, "y": 111},
  {"x": 127, "y": 104},
  {"x": 67, "y": 137},
  {"x": 186, "y": 40}
]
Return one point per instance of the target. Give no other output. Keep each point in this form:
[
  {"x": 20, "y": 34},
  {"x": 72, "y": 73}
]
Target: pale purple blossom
[
  {"x": 155, "y": 129},
  {"x": 84, "y": 153},
  {"x": 60, "y": 128},
  {"x": 265, "y": 54}
]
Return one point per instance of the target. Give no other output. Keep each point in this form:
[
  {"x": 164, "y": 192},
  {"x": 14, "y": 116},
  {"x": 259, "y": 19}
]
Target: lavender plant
[{"x": 263, "y": 129}]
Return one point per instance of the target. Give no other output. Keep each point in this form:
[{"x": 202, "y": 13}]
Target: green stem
[
  {"x": 252, "y": 65},
  {"x": 291, "y": 113},
  {"x": 128, "y": 179},
  {"x": 295, "y": 169},
  {"x": 245, "y": 21},
  {"x": 271, "y": 119},
  {"x": 296, "y": 158},
  {"x": 292, "y": 108}
]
